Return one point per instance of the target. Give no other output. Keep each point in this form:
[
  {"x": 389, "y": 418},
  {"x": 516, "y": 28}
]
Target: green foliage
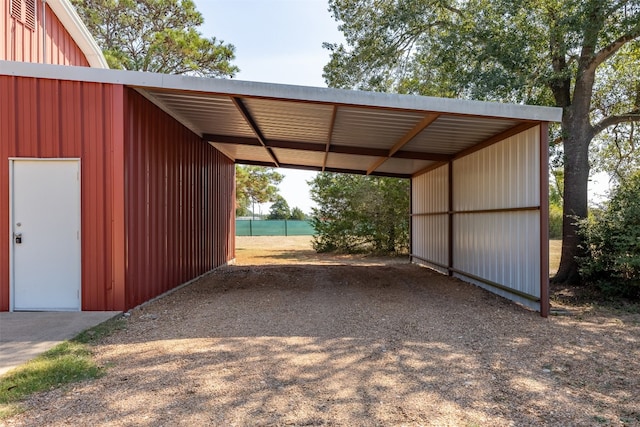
[
  {"x": 255, "y": 184},
  {"x": 612, "y": 238},
  {"x": 360, "y": 213},
  {"x": 279, "y": 209},
  {"x": 297, "y": 214},
  {"x": 155, "y": 35}
]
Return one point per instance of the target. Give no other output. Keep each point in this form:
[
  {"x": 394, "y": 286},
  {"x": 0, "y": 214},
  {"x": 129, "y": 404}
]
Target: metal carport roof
[{"x": 317, "y": 128}]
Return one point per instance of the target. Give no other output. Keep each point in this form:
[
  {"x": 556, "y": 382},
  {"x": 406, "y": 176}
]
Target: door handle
[{"x": 18, "y": 238}]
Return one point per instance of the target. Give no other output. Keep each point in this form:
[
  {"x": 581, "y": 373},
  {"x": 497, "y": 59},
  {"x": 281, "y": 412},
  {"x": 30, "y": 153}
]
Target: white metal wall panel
[
  {"x": 501, "y": 247},
  {"x": 503, "y": 175},
  {"x": 429, "y": 233},
  {"x": 495, "y": 217}
]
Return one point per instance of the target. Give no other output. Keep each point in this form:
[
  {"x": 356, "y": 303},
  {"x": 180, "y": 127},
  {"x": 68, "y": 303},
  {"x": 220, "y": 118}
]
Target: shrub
[{"x": 612, "y": 242}]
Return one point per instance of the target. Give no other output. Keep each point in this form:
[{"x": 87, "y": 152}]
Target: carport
[{"x": 478, "y": 170}]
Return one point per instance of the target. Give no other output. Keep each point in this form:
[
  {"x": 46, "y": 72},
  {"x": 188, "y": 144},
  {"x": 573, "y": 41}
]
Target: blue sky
[{"x": 277, "y": 41}]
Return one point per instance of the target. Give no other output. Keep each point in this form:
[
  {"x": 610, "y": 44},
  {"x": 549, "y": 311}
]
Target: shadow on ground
[{"x": 353, "y": 345}]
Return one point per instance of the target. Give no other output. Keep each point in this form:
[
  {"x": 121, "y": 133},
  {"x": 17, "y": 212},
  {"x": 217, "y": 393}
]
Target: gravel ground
[{"x": 351, "y": 341}]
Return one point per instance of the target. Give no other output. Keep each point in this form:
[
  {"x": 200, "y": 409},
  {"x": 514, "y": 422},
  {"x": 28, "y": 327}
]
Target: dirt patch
[{"x": 351, "y": 342}]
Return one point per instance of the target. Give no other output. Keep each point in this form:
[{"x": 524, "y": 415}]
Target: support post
[
  {"x": 544, "y": 219},
  {"x": 450, "y": 219}
]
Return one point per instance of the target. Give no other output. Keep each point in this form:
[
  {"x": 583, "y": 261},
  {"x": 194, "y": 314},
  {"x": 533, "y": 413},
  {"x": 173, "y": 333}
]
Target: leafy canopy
[
  {"x": 255, "y": 184},
  {"x": 155, "y": 35},
  {"x": 297, "y": 214},
  {"x": 279, "y": 209},
  {"x": 360, "y": 213}
]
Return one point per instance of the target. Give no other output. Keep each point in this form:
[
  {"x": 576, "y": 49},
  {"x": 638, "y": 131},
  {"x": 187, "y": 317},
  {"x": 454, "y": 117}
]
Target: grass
[{"x": 68, "y": 362}]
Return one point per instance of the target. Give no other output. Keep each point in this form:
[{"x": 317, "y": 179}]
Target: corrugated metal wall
[
  {"x": 495, "y": 233},
  {"x": 179, "y": 202},
  {"x": 430, "y": 219},
  {"x": 53, "y": 119},
  {"x": 21, "y": 43}
]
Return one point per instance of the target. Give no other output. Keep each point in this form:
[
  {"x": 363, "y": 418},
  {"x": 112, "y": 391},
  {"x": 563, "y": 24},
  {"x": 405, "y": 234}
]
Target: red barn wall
[
  {"x": 20, "y": 43},
  {"x": 61, "y": 119},
  {"x": 157, "y": 201},
  {"x": 179, "y": 202}
]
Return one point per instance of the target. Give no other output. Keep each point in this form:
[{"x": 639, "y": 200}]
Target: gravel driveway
[{"x": 350, "y": 342}]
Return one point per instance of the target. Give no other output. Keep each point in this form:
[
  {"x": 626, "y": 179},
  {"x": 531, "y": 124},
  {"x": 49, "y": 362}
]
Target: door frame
[{"x": 12, "y": 161}]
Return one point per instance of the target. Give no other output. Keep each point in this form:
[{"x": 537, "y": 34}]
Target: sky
[{"x": 276, "y": 41}]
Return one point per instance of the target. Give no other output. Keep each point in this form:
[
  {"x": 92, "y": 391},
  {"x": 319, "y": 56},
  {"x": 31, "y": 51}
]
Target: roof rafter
[
  {"x": 419, "y": 127},
  {"x": 254, "y": 126},
  {"x": 334, "y": 113}
]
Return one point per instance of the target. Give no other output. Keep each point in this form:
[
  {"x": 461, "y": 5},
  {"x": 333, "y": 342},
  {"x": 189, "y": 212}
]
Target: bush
[{"x": 612, "y": 243}]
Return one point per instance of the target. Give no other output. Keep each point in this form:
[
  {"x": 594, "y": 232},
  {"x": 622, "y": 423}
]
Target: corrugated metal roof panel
[
  {"x": 403, "y": 166},
  {"x": 452, "y": 134},
  {"x": 298, "y": 157},
  {"x": 291, "y": 121},
  {"x": 208, "y": 113},
  {"x": 236, "y": 152},
  {"x": 372, "y": 128},
  {"x": 350, "y": 161}
]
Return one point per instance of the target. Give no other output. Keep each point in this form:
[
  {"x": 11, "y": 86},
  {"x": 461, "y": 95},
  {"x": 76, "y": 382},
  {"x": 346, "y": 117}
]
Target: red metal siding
[
  {"x": 47, "y": 119},
  {"x": 179, "y": 202},
  {"x": 20, "y": 43}
]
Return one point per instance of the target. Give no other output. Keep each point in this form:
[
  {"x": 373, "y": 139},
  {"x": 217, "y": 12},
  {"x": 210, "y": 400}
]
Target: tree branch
[
  {"x": 631, "y": 116},
  {"x": 609, "y": 50}
]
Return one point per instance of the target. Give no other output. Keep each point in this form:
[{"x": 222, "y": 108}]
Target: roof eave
[{"x": 288, "y": 92}]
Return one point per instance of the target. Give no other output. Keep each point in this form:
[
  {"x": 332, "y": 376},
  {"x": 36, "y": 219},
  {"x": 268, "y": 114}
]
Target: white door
[{"x": 45, "y": 234}]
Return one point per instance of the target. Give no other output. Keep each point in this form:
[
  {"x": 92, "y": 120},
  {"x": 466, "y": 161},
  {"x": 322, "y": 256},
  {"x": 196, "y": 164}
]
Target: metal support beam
[
  {"x": 254, "y": 126},
  {"x": 544, "y": 219},
  {"x": 334, "y": 113},
  {"x": 426, "y": 121},
  {"x": 340, "y": 149}
]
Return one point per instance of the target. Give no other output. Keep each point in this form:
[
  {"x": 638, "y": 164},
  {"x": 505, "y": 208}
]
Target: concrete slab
[{"x": 25, "y": 335}]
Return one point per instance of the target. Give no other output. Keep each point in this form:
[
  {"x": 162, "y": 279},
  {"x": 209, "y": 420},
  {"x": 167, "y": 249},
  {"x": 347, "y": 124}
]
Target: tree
[
  {"x": 360, "y": 213},
  {"x": 255, "y": 184},
  {"x": 155, "y": 35},
  {"x": 571, "y": 54},
  {"x": 297, "y": 214},
  {"x": 279, "y": 209}
]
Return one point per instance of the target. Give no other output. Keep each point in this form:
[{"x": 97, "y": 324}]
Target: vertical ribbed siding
[
  {"x": 56, "y": 119},
  {"x": 61, "y": 48},
  {"x": 495, "y": 234},
  {"x": 179, "y": 202},
  {"x": 430, "y": 201},
  {"x": 502, "y": 247},
  {"x": 20, "y": 43}
]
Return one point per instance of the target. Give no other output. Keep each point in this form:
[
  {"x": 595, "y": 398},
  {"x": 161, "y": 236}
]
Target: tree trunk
[{"x": 576, "y": 178}]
